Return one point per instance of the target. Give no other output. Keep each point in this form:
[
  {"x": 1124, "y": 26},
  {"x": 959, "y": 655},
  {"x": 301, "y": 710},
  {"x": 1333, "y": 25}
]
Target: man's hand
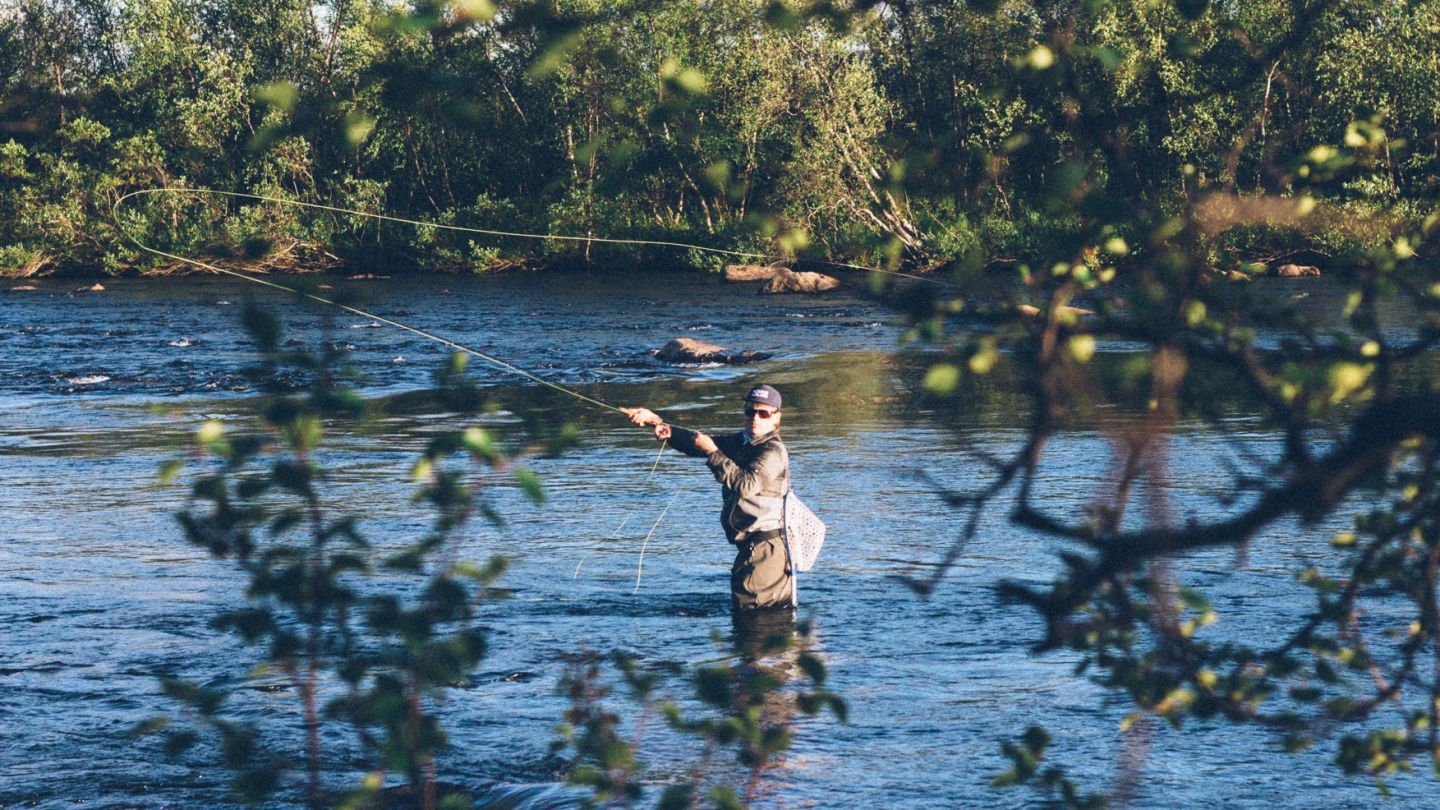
[
  {"x": 705, "y": 443},
  {"x": 643, "y": 417}
]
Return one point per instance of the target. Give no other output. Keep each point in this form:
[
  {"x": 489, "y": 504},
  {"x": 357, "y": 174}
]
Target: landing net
[{"x": 804, "y": 533}]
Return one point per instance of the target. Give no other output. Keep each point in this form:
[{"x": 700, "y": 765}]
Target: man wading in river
[{"x": 753, "y": 469}]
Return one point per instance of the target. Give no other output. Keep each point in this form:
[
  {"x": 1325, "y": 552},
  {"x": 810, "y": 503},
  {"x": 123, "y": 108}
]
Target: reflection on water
[{"x": 101, "y": 596}]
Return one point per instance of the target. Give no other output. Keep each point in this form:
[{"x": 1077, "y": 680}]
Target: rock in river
[{"x": 687, "y": 350}]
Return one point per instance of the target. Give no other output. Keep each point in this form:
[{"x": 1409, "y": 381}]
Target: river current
[{"x": 100, "y": 596}]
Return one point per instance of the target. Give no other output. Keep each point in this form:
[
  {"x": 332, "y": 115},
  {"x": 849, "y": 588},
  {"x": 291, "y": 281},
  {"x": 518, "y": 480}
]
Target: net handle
[{"x": 789, "y": 557}]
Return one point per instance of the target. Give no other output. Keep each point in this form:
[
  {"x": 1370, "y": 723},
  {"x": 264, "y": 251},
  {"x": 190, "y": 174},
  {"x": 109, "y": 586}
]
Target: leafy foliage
[
  {"x": 918, "y": 133},
  {"x": 1027, "y": 757},
  {"x": 1165, "y": 218},
  {"x": 374, "y": 653},
  {"x": 747, "y": 707}
]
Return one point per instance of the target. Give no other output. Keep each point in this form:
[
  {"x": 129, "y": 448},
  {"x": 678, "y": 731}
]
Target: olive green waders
[{"x": 760, "y": 577}]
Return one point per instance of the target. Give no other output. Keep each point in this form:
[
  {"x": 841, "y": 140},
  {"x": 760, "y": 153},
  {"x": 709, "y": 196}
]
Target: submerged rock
[
  {"x": 96, "y": 287},
  {"x": 24, "y": 288},
  {"x": 1297, "y": 271},
  {"x": 788, "y": 281},
  {"x": 686, "y": 350}
]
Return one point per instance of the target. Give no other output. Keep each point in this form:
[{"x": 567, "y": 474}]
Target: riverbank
[
  {"x": 1339, "y": 239},
  {"x": 294, "y": 258}
]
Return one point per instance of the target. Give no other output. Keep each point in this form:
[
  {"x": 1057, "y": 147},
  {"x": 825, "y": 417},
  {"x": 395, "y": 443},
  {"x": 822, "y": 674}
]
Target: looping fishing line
[
  {"x": 615, "y": 534},
  {"x": 460, "y": 347},
  {"x": 640, "y": 567}
]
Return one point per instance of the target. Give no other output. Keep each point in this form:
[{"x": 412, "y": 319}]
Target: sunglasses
[{"x": 763, "y": 414}]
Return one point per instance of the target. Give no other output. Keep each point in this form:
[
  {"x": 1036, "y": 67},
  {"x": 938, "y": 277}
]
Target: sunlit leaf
[
  {"x": 942, "y": 378},
  {"x": 282, "y": 95},
  {"x": 530, "y": 484}
]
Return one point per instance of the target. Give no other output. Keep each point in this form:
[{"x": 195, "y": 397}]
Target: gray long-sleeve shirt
[{"x": 754, "y": 476}]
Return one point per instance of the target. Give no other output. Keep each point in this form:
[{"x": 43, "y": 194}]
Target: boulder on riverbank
[
  {"x": 739, "y": 273},
  {"x": 779, "y": 279},
  {"x": 1297, "y": 271},
  {"x": 687, "y": 350},
  {"x": 789, "y": 281}
]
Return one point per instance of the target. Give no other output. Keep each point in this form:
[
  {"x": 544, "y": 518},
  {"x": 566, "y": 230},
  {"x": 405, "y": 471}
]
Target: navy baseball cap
[{"x": 764, "y": 395}]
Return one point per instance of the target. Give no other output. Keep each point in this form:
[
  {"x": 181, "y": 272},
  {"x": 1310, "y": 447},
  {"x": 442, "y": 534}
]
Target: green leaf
[
  {"x": 1194, "y": 600},
  {"x": 455, "y": 801},
  {"x": 780, "y": 16},
  {"x": 723, "y": 797},
  {"x": 674, "y": 797},
  {"x": 1109, "y": 58},
  {"x": 712, "y": 685},
  {"x": 530, "y": 484},
  {"x": 152, "y": 726},
  {"x": 813, "y": 667},
  {"x": 282, "y": 95},
  {"x": 1296, "y": 743},
  {"x": 170, "y": 469},
  {"x": 178, "y": 742},
  {"x": 486, "y": 575},
  {"x": 253, "y": 785},
  {"x": 942, "y": 378},
  {"x": 263, "y": 326}
]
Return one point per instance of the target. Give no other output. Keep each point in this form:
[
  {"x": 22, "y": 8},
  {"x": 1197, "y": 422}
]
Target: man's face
[{"x": 761, "y": 419}]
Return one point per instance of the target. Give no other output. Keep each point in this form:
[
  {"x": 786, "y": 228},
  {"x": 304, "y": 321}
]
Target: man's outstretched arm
[{"x": 690, "y": 442}]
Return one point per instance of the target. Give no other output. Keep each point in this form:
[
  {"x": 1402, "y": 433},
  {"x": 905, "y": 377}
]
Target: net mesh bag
[{"x": 804, "y": 533}]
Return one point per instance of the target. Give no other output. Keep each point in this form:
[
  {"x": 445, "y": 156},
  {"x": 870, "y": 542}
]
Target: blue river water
[{"x": 100, "y": 596}]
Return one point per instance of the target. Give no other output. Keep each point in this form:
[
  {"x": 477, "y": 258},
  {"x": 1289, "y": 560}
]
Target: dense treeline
[{"x": 909, "y": 132}]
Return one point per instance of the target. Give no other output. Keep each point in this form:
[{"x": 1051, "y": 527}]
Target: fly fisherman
[{"x": 753, "y": 469}]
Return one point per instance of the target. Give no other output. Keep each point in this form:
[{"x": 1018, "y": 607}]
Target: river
[{"x": 101, "y": 596}]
